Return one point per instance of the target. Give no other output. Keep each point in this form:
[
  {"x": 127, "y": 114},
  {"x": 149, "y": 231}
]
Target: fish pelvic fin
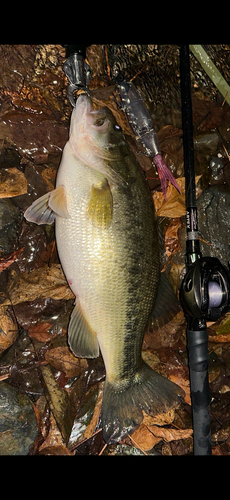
[
  {"x": 44, "y": 209},
  {"x": 100, "y": 206},
  {"x": 81, "y": 338},
  {"x": 122, "y": 410}
]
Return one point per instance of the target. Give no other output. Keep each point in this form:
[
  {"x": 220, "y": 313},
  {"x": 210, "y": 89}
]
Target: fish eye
[{"x": 117, "y": 127}]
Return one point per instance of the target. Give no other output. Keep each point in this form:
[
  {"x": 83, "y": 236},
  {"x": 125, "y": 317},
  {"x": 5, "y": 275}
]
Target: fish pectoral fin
[
  {"x": 81, "y": 338},
  {"x": 44, "y": 209},
  {"x": 100, "y": 206},
  {"x": 58, "y": 202},
  {"x": 40, "y": 212}
]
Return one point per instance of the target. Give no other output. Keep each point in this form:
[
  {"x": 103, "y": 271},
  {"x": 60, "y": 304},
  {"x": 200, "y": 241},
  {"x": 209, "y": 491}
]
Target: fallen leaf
[
  {"x": 170, "y": 434},
  {"x": 97, "y": 411},
  {"x": 40, "y": 283},
  {"x": 62, "y": 359},
  {"x": 6, "y": 261},
  {"x": 12, "y": 183},
  {"x": 8, "y": 328},
  {"x": 161, "y": 419},
  {"x": 174, "y": 206},
  {"x": 223, "y": 328},
  {"x": 220, "y": 338},
  {"x": 41, "y": 332},
  {"x": 144, "y": 439},
  {"x": 172, "y": 244},
  {"x": 180, "y": 380},
  {"x": 59, "y": 403},
  {"x": 147, "y": 436},
  {"x": 55, "y": 450}
]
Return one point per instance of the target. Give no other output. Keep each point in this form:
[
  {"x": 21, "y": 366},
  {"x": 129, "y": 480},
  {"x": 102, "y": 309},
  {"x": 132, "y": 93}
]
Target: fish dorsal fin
[
  {"x": 100, "y": 206},
  {"x": 82, "y": 339},
  {"x": 44, "y": 209}
]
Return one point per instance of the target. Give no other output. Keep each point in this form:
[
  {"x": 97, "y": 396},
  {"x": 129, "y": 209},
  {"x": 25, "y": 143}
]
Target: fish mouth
[{"x": 97, "y": 119}]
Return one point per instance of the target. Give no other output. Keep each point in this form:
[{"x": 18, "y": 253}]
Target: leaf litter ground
[{"x": 66, "y": 392}]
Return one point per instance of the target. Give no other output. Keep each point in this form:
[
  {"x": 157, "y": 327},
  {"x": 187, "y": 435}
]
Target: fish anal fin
[
  {"x": 40, "y": 212},
  {"x": 81, "y": 338},
  {"x": 58, "y": 201},
  {"x": 100, "y": 206}
]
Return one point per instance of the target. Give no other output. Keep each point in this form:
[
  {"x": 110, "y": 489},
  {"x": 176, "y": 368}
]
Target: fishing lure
[{"x": 140, "y": 122}]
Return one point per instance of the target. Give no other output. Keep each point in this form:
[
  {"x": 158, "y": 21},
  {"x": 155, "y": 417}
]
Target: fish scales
[
  {"x": 108, "y": 246},
  {"x": 110, "y": 275}
]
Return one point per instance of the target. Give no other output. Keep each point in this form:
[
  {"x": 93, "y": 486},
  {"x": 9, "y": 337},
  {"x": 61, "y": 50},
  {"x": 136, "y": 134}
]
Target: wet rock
[
  {"x": 33, "y": 241},
  {"x": 34, "y": 136},
  {"x": 9, "y": 226},
  {"x": 18, "y": 426},
  {"x": 19, "y": 61},
  {"x": 214, "y": 222}
]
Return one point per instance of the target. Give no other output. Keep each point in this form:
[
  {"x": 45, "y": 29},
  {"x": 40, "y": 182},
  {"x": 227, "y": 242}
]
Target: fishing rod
[{"x": 205, "y": 289}]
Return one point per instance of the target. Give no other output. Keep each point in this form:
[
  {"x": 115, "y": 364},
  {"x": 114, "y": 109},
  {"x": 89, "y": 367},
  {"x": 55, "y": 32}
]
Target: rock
[
  {"x": 9, "y": 226},
  {"x": 18, "y": 426},
  {"x": 214, "y": 222}
]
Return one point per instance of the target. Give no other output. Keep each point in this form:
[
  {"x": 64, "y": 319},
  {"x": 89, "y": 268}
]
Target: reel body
[{"x": 205, "y": 289}]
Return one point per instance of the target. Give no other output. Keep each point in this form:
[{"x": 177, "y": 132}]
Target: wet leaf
[
  {"x": 180, "y": 380},
  {"x": 39, "y": 284},
  {"x": 59, "y": 403},
  {"x": 62, "y": 359},
  {"x": 97, "y": 411},
  {"x": 41, "y": 332},
  {"x": 55, "y": 450},
  {"x": 172, "y": 244},
  {"x": 9, "y": 259},
  {"x": 8, "y": 327},
  {"x": 12, "y": 183},
  {"x": 147, "y": 436},
  {"x": 144, "y": 439},
  {"x": 174, "y": 206},
  {"x": 170, "y": 434}
]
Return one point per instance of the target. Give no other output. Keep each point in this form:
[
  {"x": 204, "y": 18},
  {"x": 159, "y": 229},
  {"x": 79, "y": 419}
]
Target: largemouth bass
[{"x": 108, "y": 247}]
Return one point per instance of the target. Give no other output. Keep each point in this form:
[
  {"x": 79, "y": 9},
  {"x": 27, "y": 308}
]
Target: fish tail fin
[{"x": 122, "y": 409}]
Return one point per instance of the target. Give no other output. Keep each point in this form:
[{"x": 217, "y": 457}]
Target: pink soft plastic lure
[
  {"x": 140, "y": 122},
  {"x": 164, "y": 174}
]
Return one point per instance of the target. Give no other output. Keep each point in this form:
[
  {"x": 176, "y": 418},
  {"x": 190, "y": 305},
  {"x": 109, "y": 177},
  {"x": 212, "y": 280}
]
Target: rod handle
[{"x": 197, "y": 344}]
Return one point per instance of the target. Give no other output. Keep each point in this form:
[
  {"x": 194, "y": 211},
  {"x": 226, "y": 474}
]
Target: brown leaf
[
  {"x": 170, "y": 434},
  {"x": 6, "y": 261},
  {"x": 144, "y": 439},
  {"x": 62, "y": 359},
  {"x": 41, "y": 332},
  {"x": 180, "y": 380},
  {"x": 8, "y": 328},
  {"x": 161, "y": 419},
  {"x": 59, "y": 403},
  {"x": 55, "y": 450},
  {"x": 40, "y": 283},
  {"x": 174, "y": 206},
  {"x": 12, "y": 183},
  {"x": 97, "y": 410},
  {"x": 172, "y": 244},
  {"x": 220, "y": 338}
]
